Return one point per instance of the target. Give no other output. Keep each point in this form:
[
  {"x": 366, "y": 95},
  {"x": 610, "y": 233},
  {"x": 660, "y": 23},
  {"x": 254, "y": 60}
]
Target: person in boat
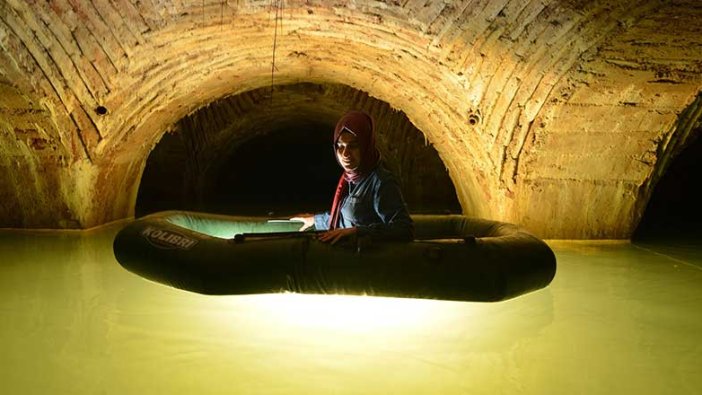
[{"x": 368, "y": 200}]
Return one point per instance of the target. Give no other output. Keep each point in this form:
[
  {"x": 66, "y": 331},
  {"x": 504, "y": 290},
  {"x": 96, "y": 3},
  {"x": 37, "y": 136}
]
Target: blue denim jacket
[{"x": 375, "y": 207}]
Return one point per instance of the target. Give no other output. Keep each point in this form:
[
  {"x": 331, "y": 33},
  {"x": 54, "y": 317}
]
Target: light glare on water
[
  {"x": 334, "y": 312},
  {"x": 618, "y": 318}
]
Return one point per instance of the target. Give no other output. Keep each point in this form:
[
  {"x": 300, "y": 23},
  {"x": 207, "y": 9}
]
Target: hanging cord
[
  {"x": 221, "y": 16},
  {"x": 278, "y": 15}
]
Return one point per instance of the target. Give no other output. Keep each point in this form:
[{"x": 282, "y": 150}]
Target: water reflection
[{"x": 618, "y": 318}]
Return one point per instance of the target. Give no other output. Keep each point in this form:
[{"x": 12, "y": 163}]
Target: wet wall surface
[{"x": 618, "y": 318}]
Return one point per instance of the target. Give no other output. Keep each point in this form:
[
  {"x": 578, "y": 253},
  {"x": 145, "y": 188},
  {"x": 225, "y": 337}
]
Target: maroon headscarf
[{"x": 361, "y": 125}]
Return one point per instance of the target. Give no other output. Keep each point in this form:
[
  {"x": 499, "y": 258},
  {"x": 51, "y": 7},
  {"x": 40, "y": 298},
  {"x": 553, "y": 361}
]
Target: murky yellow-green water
[{"x": 618, "y": 319}]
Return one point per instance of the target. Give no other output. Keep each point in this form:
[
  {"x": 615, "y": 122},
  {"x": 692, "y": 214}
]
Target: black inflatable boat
[{"x": 452, "y": 258}]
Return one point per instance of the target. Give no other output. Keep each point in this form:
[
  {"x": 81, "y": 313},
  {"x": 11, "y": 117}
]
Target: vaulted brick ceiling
[{"x": 559, "y": 115}]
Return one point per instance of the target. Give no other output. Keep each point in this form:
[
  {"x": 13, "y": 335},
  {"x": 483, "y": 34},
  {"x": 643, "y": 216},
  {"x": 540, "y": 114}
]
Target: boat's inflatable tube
[{"x": 452, "y": 258}]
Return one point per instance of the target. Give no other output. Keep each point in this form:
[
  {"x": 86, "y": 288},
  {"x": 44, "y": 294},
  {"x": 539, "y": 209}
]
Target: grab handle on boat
[{"x": 241, "y": 237}]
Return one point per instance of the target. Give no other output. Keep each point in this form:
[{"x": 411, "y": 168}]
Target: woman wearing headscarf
[{"x": 367, "y": 201}]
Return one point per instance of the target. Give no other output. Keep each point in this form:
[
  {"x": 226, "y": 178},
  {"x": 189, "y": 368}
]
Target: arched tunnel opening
[
  {"x": 251, "y": 154},
  {"x": 675, "y": 208}
]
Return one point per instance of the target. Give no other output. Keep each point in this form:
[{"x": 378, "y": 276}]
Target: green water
[{"x": 618, "y": 319}]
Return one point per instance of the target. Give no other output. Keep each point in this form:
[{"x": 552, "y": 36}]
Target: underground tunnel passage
[
  {"x": 674, "y": 211},
  {"x": 284, "y": 172},
  {"x": 551, "y": 114},
  {"x": 275, "y": 157}
]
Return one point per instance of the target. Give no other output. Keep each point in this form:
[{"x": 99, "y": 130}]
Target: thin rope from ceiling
[{"x": 278, "y": 16}]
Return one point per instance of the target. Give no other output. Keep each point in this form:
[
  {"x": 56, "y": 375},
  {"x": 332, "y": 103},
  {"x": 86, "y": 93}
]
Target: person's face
[{"x": 348, "y": 151}]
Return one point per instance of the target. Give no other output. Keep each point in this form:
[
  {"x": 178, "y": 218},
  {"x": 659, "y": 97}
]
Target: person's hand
[
  {"x": 335, "y": 235},
  {"x": 306, "y": 219}
]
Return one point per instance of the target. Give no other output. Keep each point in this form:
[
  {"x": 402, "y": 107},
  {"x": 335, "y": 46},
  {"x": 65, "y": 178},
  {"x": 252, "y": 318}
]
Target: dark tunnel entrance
[
  {"x": 675, "y": 208},
  {"x": 250, "y": 155},
  {"x": 288, "y": 172},
  {"x": 281, "y": 172}
]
